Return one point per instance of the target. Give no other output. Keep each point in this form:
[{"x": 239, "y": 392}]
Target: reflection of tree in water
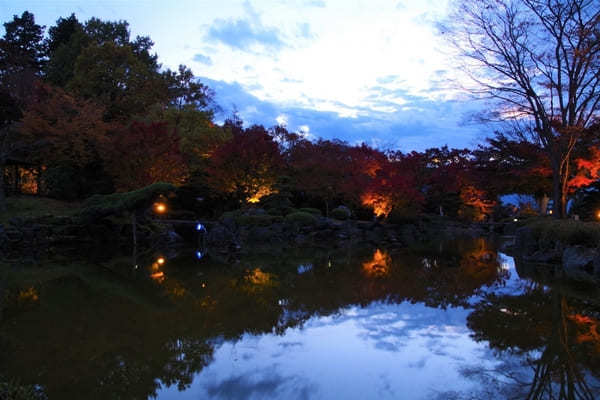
[
  {"x": 127, "y": 337},
  {"x": 557, "y": 347}
]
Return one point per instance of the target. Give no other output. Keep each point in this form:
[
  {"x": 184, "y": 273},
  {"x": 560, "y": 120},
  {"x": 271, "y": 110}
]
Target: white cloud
[{"x": 281, "y": 120}]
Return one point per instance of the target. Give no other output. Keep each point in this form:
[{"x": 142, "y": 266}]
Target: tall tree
[
  {"x": 22, "y": 56},
  {"x": 118, "y": 79},
  {"x": 539, "y": 61},
  {"x": 65, "y": 42}
]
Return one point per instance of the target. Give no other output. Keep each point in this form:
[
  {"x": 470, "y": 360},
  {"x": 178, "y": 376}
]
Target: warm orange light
[
  {"x": 160, "y": 260},
  {"x": 158, "y": 276},
  {"x": 550, "y": 212},
  {"x": 258, "y": 277},
  {"x": 160, "y": 208},
  {"x": 598, "y": 214},
  {"x": 28, "y": 295},
  {"x": 262, "y": 192},
  {"x": 381, "y": 205},
  {"x": 379, "y": 265},
  {"x": 588, "y": 330}
]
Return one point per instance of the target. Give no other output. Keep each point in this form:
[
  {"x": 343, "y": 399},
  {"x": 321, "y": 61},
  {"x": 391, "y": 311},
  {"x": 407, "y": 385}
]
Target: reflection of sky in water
[
  {"x": 511, "y": 285},
  {"x": 381, "y": 351}
]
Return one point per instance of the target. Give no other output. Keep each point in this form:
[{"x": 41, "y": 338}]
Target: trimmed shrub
[
  {"x": 99, "y": 206},
  {"x": 547, "y": 231},
  {"x": 301, "y": 218},
  {"x": 310, "y": 210},
  {"x": 403, "y": 215},
  {"x": 342, "y": 213},
  {"x": 257, "y": 220}
]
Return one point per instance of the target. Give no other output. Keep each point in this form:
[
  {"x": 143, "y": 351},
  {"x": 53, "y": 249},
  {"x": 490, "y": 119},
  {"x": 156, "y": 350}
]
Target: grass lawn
[{"x": 34, "y": 206}]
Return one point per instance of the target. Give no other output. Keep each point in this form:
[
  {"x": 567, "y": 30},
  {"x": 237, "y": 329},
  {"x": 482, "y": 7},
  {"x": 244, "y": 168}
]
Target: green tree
[
  {"x": 65, "y": 42},
  {"x": 22, "y": 55},
  {"x": 117, "y": 78}
]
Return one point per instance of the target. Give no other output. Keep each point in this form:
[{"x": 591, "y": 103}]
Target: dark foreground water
[{"x": 457, "y": 320}]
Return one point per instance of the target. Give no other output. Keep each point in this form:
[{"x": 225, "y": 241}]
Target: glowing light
[
  {"x": 262, "y": 192},
  {"x": 160, "y": 208},
  {"x": 598, "y": 214},
  {"x": 550, "y": 212},
  {"x": 199, "y": 255},
  {"x": 160, "y": 260},
  {"x": 158, "y": 276},
  {"x": 378, "y": 266},
  {"x": 28, "y": 296},
  {"x": 380, "y": 204},
  {"x": 200, "y": 227},
  {"x": 259, "y": 277},
  {"x": 516, "y": 220}
]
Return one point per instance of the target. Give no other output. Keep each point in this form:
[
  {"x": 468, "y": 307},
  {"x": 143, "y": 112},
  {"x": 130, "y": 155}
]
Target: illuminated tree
[
  {"x": 538, "y": 60},
  {"x": 247, "y": 166},
  {"x": 144, "y": 154},
  {"x": 63, "y": 128}
]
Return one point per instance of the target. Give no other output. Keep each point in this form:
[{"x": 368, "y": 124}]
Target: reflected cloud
[{"x": 266, "y": 383}]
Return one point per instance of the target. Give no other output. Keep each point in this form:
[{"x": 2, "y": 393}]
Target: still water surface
[{"x": 457, "y": 320}]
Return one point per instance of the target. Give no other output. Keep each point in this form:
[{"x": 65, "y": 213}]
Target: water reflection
[
  {"x": 378, "y": 266},
  {"x": 452, "y": 321}
]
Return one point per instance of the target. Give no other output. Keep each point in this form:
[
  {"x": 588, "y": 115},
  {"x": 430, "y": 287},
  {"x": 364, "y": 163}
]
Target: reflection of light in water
[
  {"x": 379, "y": 265},
  {"x": 303, "y": 268},
  {"x": 428, "y": 264},
  {"x": 158, "y": 276},
  {"x": 259, "y": 277}
]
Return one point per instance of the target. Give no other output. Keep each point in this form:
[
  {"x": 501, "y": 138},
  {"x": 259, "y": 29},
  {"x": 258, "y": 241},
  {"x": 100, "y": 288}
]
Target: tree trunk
[
  {"x": 543, "y": 203},
  {"x": 2, "y": 192},
  {"x": 560, "y": 176},
  {"x": 556, "y": 190}
]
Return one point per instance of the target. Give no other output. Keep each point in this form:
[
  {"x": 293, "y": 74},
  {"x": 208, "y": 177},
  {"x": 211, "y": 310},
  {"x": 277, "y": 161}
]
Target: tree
[
  {"x": 143, "y": 154},
  {"x": 538, "y": 60},
  {"x": 22, "y": 56},
  {"x": 67, "y": 135},
  {"x": 247, "y": 166},
  {"x": 393, "y": 188},
  {"x": 65, "y": 42},
  {"x": 118, "y": 73},
  {"x": 62, "y": 128},
  {"x": 319, "y": 169},
  {"x": 116, "y": 78}
]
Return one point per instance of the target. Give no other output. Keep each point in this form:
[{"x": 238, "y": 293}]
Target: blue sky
[{"x": 373, "y": 71}]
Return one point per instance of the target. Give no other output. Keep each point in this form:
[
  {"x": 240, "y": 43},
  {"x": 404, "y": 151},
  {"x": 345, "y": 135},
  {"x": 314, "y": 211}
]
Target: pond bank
[{"x": 568, "y": 248}]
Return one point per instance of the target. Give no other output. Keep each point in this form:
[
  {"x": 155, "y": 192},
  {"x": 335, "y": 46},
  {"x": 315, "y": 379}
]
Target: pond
[{"x": 454, "y": 320}]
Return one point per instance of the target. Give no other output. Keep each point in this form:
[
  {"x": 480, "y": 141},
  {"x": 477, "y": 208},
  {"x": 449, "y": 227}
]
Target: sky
[{"x": 372, "y": 71}]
